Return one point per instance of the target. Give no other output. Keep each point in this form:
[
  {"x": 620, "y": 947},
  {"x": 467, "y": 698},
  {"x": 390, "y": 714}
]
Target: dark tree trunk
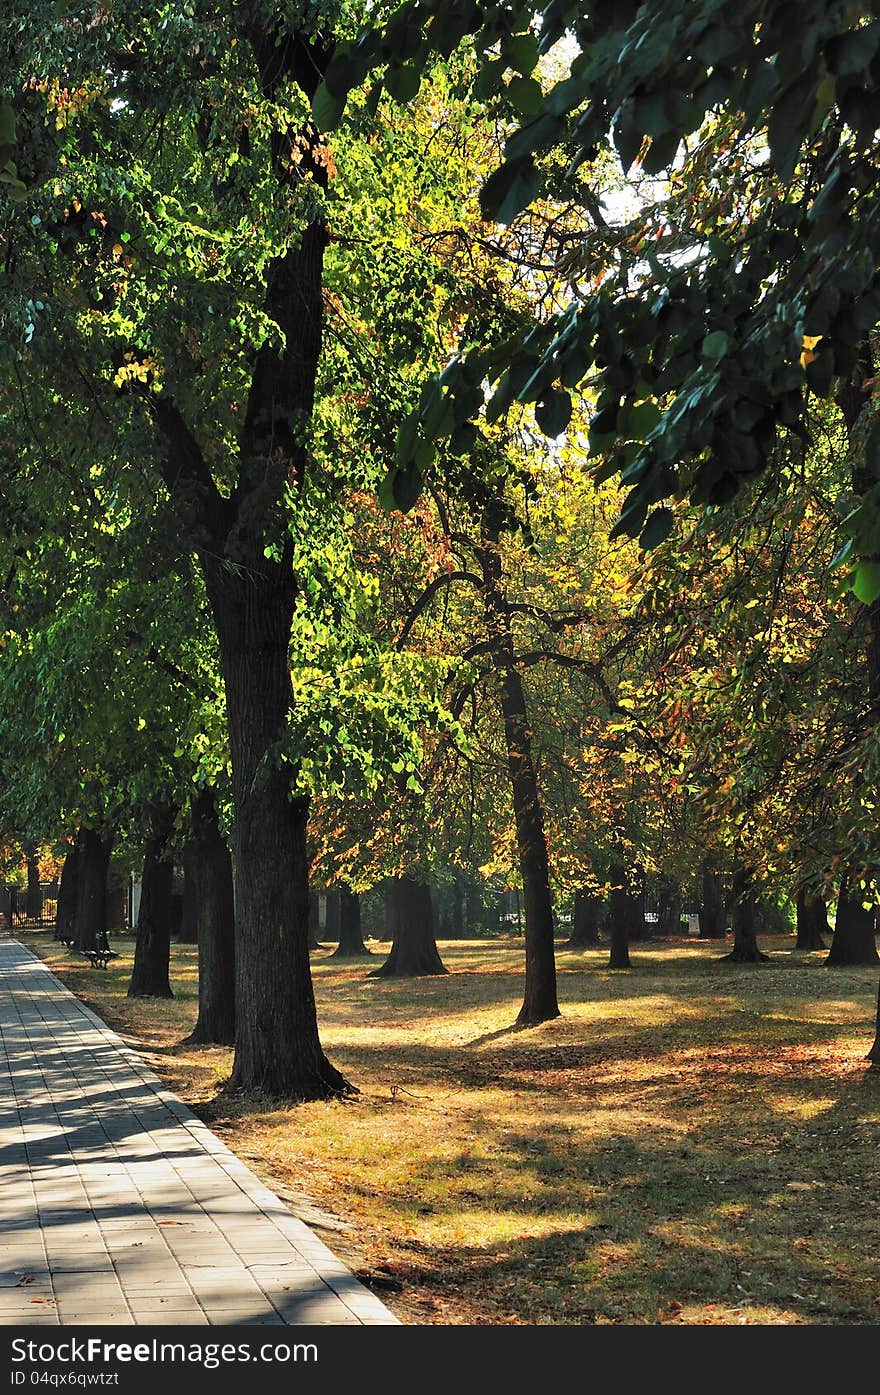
[
  {"x": 812, "y": 921},
  {"x": 585, "y": 921},
  {"x": 33, "y": 906},
  {"x": 745, "y": 943},
  {"x": 351, "y": 939},
  {"x": 333, "y": 903},
  {"x": 213, "y": 902},
  {"x": 277, "y": 1048},
  {"x": 252, "y": 591},
  {"x": 457, "y": 927},
  {"x": 619, "y": 918},
  {"x": 669, "y": 909},
  {"x": 65, "y": 909},
  {"x": 874, "y": 1053},
  {"x": 414, "y": 947},
  {"x": 314, "y": 920},
  {"x": 853, "y": 398},
  {"x": 711, "y": 905},
  {"x": 152, "y": 951},
  {"x": 189, "y": 916},
  {"x": 473, "y": 910},
  {"x": 93, "y": 864},
  {"x": 540, "y": 1002},
  {"x": 637, "y": 928},
  {"x": 853, "y": 941}
]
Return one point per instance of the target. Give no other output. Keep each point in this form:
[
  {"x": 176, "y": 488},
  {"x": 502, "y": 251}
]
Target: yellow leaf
[{"x": 809, "y": 343}]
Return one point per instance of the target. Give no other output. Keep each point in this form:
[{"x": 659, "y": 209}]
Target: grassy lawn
[{"x": 691, "y": 1142}]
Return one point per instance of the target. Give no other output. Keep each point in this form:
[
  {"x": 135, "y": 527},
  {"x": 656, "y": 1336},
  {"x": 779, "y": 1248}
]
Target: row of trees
[{"x": 272, "y": 570}]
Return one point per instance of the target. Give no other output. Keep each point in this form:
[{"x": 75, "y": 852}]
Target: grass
[{"x": 691, "y": 1142}]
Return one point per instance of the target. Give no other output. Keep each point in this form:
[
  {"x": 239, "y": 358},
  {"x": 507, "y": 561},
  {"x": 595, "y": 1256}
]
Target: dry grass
[{"x": 692, "y": 1141}]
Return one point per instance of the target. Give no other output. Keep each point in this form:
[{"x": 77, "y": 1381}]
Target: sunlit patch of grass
[{"x": 691, "y": 1142}]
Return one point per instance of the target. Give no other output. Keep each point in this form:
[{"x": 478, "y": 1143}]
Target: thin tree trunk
[
  {"x": 351, "y": 939},
  {"x": 314, "y": 920},
  {"x": 619, "y": 918},
  {"x": 711, "y": 904},
  {"x": 812, "y": 921},
  {"x": 152, "y": 951},
  {"x": 473, "y": 910},
  {"x": 585, "y": 921},
  {"x": 214, "y": 907},
  {"x": 874, "y": 1053},
  {"x": 669, "y": 909},
  {"x": 414, "y": 950},
  {"x": 745, "y": 943},
  {"x": 65, "y": 909},
  {"x": 637, "y": 928},
  {"x": 333, "y": 902},
  {"x": 540, "y": 1003},
  {"x": 93, "y": 864},
  {"x": 853, "y": 941},
  {"x": 33, "y": 907},
  {"x": 188, "y": 933}
]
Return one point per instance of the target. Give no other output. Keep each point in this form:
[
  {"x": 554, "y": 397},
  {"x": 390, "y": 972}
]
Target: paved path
[{"x": 117, "y": 1205}]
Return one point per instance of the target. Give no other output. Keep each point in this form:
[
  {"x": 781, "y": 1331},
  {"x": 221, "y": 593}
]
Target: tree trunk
[
  {"x": 619, "y": 918},
  {"x": 853, "y": 398},
  {"x": 152, "y": 951},
  {"x": 33, "y": 906},
  {"x": 853, "y": 941},
  {"x": 585, "y": 921},
  {"x": 540, "y": 1002},
  {"x": 93, "y": 864},
  {"x": 65, "y": 909},
  {"x": 314, "y": 920},
  {"x": 712, "y": 905},
  {"x": 669, "y": 910},
  {"x": 874, "y": 1053},
  {"x": 745, "y": 943},
  {"x": 351, "y": 939},
  {"x": 277, "y": 1048},
  {"x": 474, "y": 915},
  {"x": 812, "y": 921},
  {"x": 246, "y": 559},
  {"x": 414, "y": 950},
  {"x": 636, "y": 928},
  {"x": 333, "y": 902},
  {"x": 188, "y": 933},
  {"x": 214, "y": 906}
]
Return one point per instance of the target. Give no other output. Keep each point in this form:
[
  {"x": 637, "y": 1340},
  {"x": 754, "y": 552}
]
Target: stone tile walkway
[{"x": 118, "y": 1205}]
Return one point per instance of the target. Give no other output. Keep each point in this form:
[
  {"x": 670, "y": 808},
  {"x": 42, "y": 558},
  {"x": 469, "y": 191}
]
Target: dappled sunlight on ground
[{"x": 691, "y": 1141}]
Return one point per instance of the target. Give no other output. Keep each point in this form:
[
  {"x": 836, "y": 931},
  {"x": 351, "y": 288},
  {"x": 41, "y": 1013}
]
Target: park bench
[
  {"x": 68, "y": 939},
  {"x": 100, "y": 956}
]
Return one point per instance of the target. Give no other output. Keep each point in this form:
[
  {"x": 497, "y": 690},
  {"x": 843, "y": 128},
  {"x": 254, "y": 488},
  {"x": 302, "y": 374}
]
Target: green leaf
[
  {"x": 489, "y": 79},
  {"x": 7, "y": 125},
  {"x": 866, "y": 582},
  {"x": 403, "y": 83},
  {"x": 715, "y": 346},
  {"x": 344, "y": 71},
  {"x": 657, "y": 528},
  {"x": 509, "y": 190},
  {"x": 553, "y": 413},
  {"x": 327, "y": 109},
  {"x": 521, "y": 52},
  {"x": 526, "y": 95},
  {"x": 641, "y": 419},
  {"x": 407, "y": 486},
  {"x": 407, "y": 432}
]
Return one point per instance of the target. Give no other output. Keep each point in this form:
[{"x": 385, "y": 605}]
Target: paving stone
[{"x": 113, "y": 1192}]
